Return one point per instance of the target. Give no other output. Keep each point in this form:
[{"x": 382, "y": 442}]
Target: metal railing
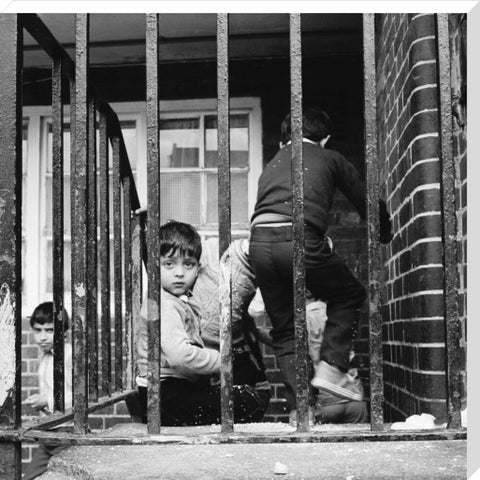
[{"x": 89, "y": 169}]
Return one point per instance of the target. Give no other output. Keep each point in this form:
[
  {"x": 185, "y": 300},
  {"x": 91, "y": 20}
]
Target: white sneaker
[{"x": 332, "y": 380}]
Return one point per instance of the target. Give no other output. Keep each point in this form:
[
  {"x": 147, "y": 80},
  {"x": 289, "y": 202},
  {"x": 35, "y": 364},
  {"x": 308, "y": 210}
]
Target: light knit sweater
[{"x": 183, "y": 354}]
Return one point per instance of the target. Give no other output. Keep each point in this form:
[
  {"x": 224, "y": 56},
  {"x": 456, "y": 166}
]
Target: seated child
[
  {"x": 41, "y": 322},
  {"x": 187, "y": 366}
]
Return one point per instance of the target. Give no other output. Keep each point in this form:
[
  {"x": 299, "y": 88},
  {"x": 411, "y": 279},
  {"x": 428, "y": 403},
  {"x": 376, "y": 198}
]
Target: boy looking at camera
[
  {"x": 41, "y": 322},
  {"x": 187, "y": 394}
]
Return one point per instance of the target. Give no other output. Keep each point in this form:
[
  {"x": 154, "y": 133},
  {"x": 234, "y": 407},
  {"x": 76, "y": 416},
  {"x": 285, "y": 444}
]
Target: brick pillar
[{"x": 409, "y": 147}]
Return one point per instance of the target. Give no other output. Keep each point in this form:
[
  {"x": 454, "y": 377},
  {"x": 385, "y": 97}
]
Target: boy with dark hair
[
  {"x": 188, "y": 396},
  {"x": 41, "y": 322},
  {"x": 327, "y": 276}
]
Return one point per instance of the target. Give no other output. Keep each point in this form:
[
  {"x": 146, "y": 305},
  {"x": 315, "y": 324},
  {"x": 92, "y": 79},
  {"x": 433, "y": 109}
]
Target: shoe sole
[{"x": 336, "y": 390}]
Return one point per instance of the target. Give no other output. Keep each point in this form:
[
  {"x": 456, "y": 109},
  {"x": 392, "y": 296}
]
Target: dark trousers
[
  {"x": 346, "y": 412},
  {"x": 327, "y": 278},
  {"x": 187, "y": 403}
]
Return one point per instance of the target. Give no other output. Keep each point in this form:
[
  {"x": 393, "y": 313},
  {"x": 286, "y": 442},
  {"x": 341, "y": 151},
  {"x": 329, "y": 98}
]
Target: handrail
[
  {"x": 40, "y": 32},
  {"x": 110, "y": 130}
]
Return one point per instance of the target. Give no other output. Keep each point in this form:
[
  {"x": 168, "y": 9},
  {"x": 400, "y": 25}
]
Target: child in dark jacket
[{"x": 327, "y": 276}]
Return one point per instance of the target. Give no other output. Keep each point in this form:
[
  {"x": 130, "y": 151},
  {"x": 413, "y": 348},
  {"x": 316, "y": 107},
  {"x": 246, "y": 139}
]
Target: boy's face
[
  {"x": 178, "y": 273},
  {"x": 43, "y": 336}
]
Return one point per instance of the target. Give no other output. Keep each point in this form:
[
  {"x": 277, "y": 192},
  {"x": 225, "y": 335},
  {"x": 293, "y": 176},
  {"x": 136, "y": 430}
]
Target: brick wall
[
  {"x": 458, "y": 39},
  {"x": 409, "y": 151}
]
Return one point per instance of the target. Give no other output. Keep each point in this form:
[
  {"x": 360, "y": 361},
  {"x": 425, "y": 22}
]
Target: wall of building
[{"x": 409, "y": 152}]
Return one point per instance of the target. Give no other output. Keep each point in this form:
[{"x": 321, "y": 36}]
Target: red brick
[
  {"x": 425, "y": 331},
  {"x": 426, "y": 200},
  {"x": 430, "y": 278},
  {"x": 431, "y": 358},
  {"x": 29, "y": 380},
  {"x": 30, "y": 352},
  {"x": 428, "y": 305},
  {"x": 429, "y": 385}
]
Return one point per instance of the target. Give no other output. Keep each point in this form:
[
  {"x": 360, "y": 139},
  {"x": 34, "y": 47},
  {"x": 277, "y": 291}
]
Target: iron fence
[{"x": 90, "y": 295}]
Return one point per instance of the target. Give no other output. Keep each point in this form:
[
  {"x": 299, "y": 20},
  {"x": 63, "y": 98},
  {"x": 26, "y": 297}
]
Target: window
[
  {"x": 188, "y": 161},
  {"x": 188, "y": 167}
]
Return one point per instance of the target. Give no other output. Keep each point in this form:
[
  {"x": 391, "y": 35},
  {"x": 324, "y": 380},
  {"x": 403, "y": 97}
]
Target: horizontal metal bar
[
  {"x": 340, "y": 33},
  {"x": 185, "y": 436},
  {"x": 50, "y": 421}
]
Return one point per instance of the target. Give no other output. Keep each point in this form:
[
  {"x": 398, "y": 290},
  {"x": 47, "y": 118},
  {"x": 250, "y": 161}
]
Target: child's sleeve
[
  {"x": 181, "y": 354},
  {"x": 351, "y": 185}
]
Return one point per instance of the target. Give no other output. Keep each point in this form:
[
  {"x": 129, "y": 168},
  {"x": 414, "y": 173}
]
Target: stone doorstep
[{"x": 429, "y": 460}]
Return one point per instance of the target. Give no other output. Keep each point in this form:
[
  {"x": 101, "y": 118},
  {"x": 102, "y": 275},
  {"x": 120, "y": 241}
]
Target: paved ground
[{"x": 439, "y": 459}]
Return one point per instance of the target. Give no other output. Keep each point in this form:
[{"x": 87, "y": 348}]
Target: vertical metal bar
[
  {"x": 11, "y": 236},
  {"x": 92, "y": 280},
  {"x": 374, "y": 259},
  {"x": 104, "y": 213},
  {"x": 224, "y": 218},
  {"x": 117, "y": 260},
  {"x": 57, "y": 229},
  {"x": 136, "y": 278},
  {"x": 450, "y": 261},
  {"x": 79, "y": 227},
  {"x": 127, "y": 275},
  {"x": 153, "y": 241},
  {"x": 296, "y": 112}
]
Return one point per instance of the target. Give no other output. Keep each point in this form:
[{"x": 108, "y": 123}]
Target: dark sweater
[{"x": 324, "y": 172}]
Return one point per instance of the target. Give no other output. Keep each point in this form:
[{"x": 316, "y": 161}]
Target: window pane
[
  {"x": 179, "y": 143},
  {"x": 129, "y": 133},
  {"x": 180, "y": 197},
  {"x": 238, "y": 141},
  {"x": 239, "y": 194}
]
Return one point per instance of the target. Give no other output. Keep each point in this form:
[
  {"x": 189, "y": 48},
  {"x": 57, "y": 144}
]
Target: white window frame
[{"x": 34, "y": 211}]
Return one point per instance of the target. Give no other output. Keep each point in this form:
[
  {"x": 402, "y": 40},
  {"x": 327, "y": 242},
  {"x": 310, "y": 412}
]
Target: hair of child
[
  {"x": 180, "y": 238},
  {"x": 43, "y": 313},
  {"x": 317, "y": 125}
]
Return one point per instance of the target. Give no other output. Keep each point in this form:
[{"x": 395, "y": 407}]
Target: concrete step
[{"x": 367, "y": 460}]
